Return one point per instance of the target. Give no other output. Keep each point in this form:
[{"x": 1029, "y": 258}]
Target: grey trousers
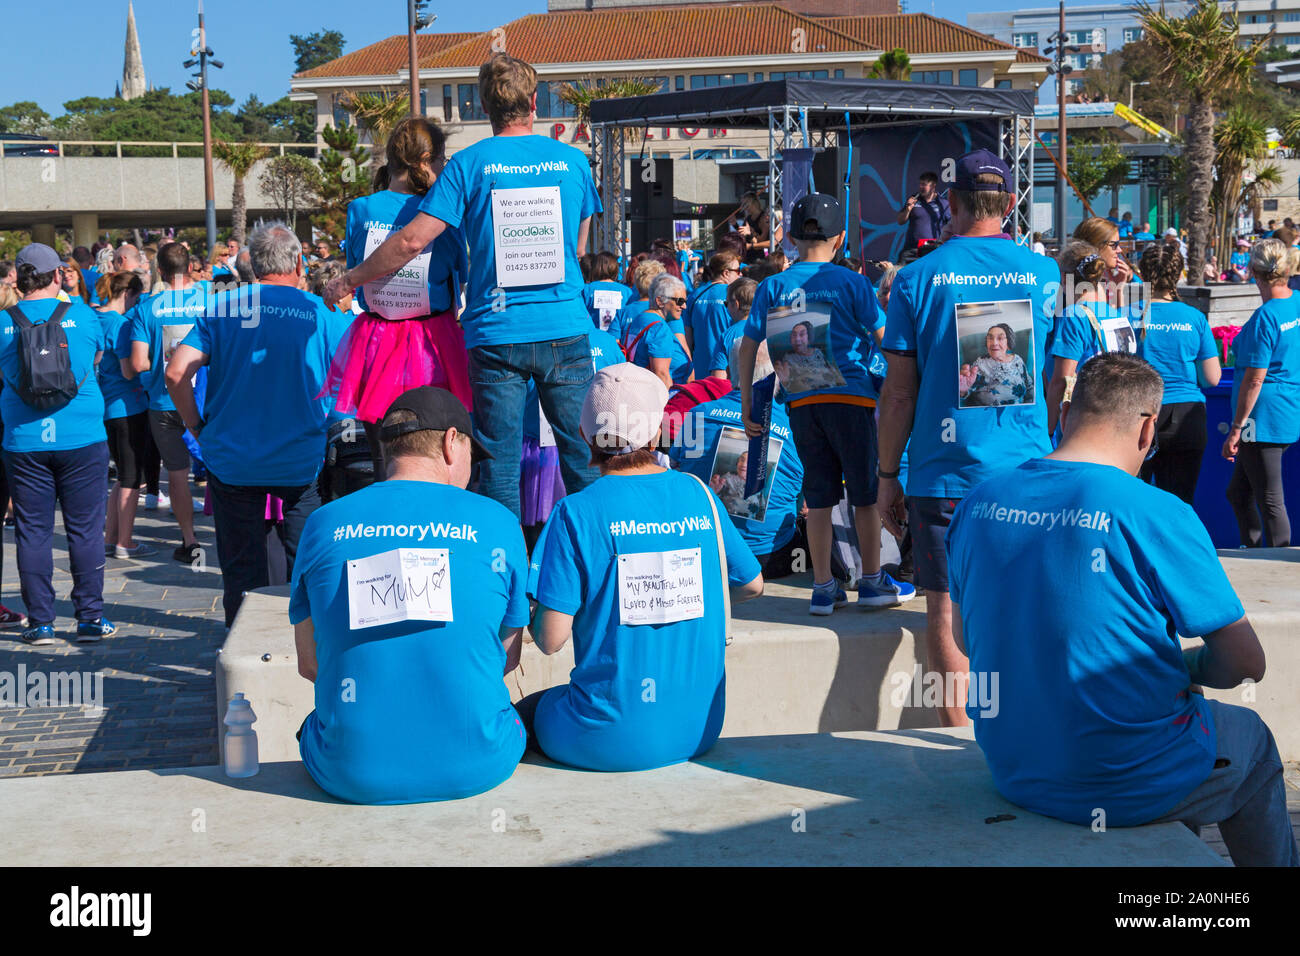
[{"x": 1244, "y": 794}]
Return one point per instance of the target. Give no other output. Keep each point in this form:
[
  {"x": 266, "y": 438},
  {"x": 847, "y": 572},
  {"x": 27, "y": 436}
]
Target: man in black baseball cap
[
  {"x": 816, "y": 216},
  {"x": 428, "y": 408}
]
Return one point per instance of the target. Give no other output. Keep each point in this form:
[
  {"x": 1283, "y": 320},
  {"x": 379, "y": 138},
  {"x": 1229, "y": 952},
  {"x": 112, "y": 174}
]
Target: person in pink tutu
[{"x": 407, "y": 334}]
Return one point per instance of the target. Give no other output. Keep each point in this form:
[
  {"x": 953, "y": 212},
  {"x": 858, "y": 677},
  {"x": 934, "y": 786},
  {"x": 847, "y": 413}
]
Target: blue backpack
[{"x": 45, "y": 378}]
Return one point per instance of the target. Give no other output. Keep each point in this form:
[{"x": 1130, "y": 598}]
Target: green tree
[
  {"x": 24, "y": 117},
  {"x": 1240, "y": 141},
  {"x": 1094, "y": 168},
  {"x": 378, "y": 113},
  {"x": 1203, "y": 54},
  {"x": 342, "y": 179},
  {"x": 581, "y": 94},
  {"x": 239, "y": 158},
  {"x": 892, "y": 65},
  {"x": 293, "y": 184},
  {"x": 312, "y": 49}
]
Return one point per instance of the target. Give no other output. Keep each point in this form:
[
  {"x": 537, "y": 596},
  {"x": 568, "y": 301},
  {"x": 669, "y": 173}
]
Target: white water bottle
[{"x": 241, "y": 739}]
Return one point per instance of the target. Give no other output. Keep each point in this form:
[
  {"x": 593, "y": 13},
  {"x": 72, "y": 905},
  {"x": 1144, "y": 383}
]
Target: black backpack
[{"x": 45, "y": 378}]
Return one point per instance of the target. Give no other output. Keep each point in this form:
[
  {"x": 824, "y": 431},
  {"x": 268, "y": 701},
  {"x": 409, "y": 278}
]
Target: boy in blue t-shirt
[
  {"x": 1082, "y": 697},
  {"x": 820, "y": 322}
]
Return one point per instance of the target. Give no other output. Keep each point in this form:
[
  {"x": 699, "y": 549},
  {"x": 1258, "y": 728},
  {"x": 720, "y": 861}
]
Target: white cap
[
  {"x": 624, "y": 408},
  {"x": 1171, "y": 231}
]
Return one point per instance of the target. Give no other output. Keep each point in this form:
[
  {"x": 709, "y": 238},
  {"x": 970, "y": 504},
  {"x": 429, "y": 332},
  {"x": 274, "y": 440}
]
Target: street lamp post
[
  {"x": 200, "y": 85},
  {"x": 416, "y": 19},
  {"x": 1133, "y": 83},
  {"x": 1060, "y": 68}
]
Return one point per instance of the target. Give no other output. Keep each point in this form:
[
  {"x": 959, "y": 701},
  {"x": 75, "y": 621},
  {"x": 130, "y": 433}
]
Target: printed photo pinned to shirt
[
  {"x": 799, "y": 343},
  {"x": 730, "y": 468},
  {"x": 995, "y": 353},
  {"x": 1118, "y": 335},
  {"x": 173, "y": 335},
  {"x": 607, "y": 303},
  {"x": 404, "y": 584}
]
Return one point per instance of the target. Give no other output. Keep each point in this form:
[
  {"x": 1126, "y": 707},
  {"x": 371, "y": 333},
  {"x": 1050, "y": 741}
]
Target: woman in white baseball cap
[{"x": 632, "y": 569}]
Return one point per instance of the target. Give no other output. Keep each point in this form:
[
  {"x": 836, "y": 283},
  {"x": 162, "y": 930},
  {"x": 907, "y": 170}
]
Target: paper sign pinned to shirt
[
  {"x": 660, "y": 587},
  {"x": 405, "y": 584},
  {"x": 528, "y": 232},
  {"x": 403, "y": 294}
]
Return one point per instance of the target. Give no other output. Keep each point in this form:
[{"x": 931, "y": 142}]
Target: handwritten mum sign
[
  {"x": 660, "y": 587},
  {"x": 405, "y": 584}
]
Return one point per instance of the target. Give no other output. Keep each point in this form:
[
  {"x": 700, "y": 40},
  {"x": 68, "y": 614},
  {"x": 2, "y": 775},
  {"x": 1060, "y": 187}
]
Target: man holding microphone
[{"x": 925, "y": 212}]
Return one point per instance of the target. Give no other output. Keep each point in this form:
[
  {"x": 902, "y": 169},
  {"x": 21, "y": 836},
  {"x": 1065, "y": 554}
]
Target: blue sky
[{"x": 81, "y": 50}]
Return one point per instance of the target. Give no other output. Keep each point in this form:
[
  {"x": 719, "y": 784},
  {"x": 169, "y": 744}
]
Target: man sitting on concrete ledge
[
  {"x": 1099, "y": 719},
  {"x": 632, "y": 569},
  {"x": 408, "y": 603}
]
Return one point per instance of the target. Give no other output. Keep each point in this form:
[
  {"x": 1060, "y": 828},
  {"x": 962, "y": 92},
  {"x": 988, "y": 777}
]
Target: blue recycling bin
[{"x": 1211, "y": 503}]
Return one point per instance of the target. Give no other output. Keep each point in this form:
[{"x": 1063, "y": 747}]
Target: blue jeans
[
  {"x": 78, "y": 480},
  {"x": 499, "y": 375},
  {"x": 239, "y": 516},
  {"x": 1244, "y": 794}
]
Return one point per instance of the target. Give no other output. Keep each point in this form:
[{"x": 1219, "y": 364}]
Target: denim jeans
[
  {"x": 499, "y": 375},
  {"x": 239, "y": 516},
  {"x": 78, "y": 480},
  {"x": 1244, "y": 794}
]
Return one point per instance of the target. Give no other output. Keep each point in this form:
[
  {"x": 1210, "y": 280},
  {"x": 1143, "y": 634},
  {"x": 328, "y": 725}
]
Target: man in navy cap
[
  {"x": 820, "y": 322},
  {"x": 965, "y": 323}
]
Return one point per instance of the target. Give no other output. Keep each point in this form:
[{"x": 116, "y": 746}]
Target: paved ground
[{"x": 158, "y": 690}]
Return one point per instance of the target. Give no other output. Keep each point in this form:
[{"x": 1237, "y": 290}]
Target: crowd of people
[{"x": 647, "y": 444}]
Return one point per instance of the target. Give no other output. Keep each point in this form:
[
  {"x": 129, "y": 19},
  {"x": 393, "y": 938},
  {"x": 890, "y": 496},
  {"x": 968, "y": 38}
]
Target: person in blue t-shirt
[
  {"x": 268, "y": 349},
  {"x": 1088, "y": 327},
  {"x": 407, "y": 335},
  {"x": 1239, "y": 262},
  {"x": 1144, "y": 234},
  {"x": 820, "y": 321},
  {"x": 1265, "y": 401},
  {"x": 1175, "y": 339},
  {"x": 940, "y": 310},
  {"x": 740, "y": 298},
  {"x": 624, "y": 324},
  {"x": 766, "y": 519},
  {"x": 126, "y": 418},
  {"x": 525, "y": 203},
  {"x": 1073, "y": 581},
  {"x": 604, "y": 296},
  {"x": 655, "y": 346},
  {"x": 159, "y": 323},
  {"x": 636, "y": 569},
  {"x": 709, "y": 317},
  {"x": 410, "y": 705},
  {"x": 55, "y": 453},
  {"x": 86, "y": 264}
]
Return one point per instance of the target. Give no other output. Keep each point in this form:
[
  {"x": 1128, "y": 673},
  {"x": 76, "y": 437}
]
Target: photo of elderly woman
[
  {"x": 799, "y": 343},
  {"x": 995, "y": 352},
  {"x": 731, "y": 469}
]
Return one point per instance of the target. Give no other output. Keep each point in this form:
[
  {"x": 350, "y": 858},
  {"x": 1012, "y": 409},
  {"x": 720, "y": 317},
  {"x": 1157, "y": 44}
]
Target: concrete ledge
[
  {"x": 859, "y": 799},
  {"x": 787, "y": 672}
]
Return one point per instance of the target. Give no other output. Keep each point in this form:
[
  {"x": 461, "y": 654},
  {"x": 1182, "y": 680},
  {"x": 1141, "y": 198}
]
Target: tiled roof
[
  {"x": 650, "y": 33},
  {"x": 385, "y": 57},
  {"x": 916, "y": 33},
  {"x": 1029, "y": 56}
]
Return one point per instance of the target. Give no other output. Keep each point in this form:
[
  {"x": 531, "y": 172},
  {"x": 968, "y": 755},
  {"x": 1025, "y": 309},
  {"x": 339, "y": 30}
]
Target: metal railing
[{"x": 114, "y": 147}]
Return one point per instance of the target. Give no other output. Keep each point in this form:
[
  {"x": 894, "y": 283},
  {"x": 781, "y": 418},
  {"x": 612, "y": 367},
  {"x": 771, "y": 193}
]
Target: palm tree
[
  {"x": 1240, "y": 140},
  {"x": 1201, "y": 53},
  {"x": 378, "y": 113},
  {"x": 239, "y": 158},
  {"x": 580, "y": 95},
  {"x": 892, "y": 65}
]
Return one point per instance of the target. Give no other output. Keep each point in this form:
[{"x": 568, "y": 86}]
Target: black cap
[
  {"x": 825, "y": 210},
  {"x": 435, "y": 409},
  {"x": 981, "y": 161}
]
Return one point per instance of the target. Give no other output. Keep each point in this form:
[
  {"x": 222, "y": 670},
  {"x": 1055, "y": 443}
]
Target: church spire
[{"x": 133, "y": 81}]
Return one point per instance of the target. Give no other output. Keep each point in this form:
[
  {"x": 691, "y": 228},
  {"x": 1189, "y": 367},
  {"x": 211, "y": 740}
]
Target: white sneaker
[{"x": 155, "y": 502}]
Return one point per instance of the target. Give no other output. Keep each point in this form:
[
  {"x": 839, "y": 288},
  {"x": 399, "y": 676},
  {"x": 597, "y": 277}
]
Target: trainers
[
  {"x": 187, "y": 553},
  {"x": 885, "y": 593},
  {"x": 10, "y": 618},
  {"x": 139, "y": 551},
  {"x": 824, "y": 602},
  {"x": 41, "y": 634},
  {"x": 155, "y": 502},
  {"x": 90, "y": 631}
]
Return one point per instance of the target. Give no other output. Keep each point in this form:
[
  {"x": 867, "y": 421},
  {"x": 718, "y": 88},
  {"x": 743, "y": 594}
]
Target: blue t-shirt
[
  {"x": 840, "y": 305},
  {"x": 387, "y": 211},
  {"x": 78, "y": 423},
  {"x": 1143, "y": 237},
  {"x": 604, "y": 300},
  {"x": 162, "y": 322},
  {"x": 627, "y": 317},
  {"x": 954, "y": 445},
  {"x": 1269, "y": 340},
  {"x": 660, "y": 341},
  {"x": 122, "y": 396},
  {"x": 722, "y": 351},
  {"x": 92, "y": 278},
  {"x": 639, "y": 695},
  {"x": 709, "y": 320},
  {"x": 412, "y": 711},
  {"x": 1076, "y": 338},
  {"x": 463, "y": 196},
  {"x": 264, "y": 417},
  {"x": 1073, "y": 580},
  {"x": 1175, "y": 339},
  {"x": 766, "y": 520}
]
